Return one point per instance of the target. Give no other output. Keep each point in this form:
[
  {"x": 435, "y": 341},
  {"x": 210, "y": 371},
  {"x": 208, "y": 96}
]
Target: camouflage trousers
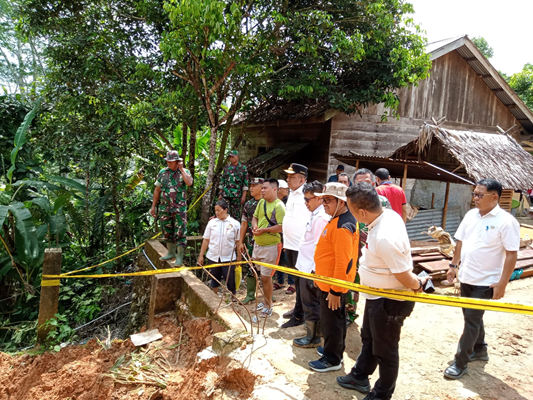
[
  {"x": 174, "y": 227},
  {"x": 234, "y": 207}
]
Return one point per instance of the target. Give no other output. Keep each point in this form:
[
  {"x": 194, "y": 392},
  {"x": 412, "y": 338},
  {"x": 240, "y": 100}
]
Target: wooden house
[{"x": 463, "y": 87}]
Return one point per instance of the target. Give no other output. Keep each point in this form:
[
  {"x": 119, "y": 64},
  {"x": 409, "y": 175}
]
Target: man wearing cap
[
  {"x": 335, "y": 178},
  {"x": 170, "y": 192},
  {"x": 283, "y": 191},
  {"x": 234, "y": 184},
  {"x": 296, "y": 217},
  {"x": 335, "y": 257},
  {"x": 246, "y": 243}
]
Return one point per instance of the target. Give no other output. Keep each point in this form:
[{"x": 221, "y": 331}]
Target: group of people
[{"x": 347, "y": 229}]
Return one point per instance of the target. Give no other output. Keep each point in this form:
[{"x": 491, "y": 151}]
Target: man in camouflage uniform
[
  {"x": 246, "y": 244},
  {"x": 234, "y": 184},
  {"x": 171, "y": 188}
]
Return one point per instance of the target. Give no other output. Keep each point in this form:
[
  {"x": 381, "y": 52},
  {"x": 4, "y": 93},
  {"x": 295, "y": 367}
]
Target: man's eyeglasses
[
  {"x": 481, "y": 195},
  {"x": 307, "y": 200},
  {"x": 328, "y": 200}
]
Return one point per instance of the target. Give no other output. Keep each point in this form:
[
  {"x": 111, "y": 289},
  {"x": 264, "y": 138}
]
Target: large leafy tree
[
  {"x": 21, "y": 61},
  {"x": 345, "y": 53}
]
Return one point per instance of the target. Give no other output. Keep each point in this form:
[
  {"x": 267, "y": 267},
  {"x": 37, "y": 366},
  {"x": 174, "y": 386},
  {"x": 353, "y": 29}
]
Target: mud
[{"x": 85, "y": 372}]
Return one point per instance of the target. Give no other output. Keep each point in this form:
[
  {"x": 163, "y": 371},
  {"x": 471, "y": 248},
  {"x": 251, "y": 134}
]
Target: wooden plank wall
[
  {"x": 314, "y": 156},
  {"x": 453, "y": 90}
]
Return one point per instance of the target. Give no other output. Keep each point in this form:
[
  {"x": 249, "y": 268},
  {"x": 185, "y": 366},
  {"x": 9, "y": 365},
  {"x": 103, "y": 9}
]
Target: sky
[{"x": 506, "y": 25}]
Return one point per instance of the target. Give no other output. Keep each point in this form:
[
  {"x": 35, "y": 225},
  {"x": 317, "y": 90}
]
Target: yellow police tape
[
  {"x": 54, "y": 282},
  {"x": 463, "y": 302},
  {"x": 136, "y": 248}
]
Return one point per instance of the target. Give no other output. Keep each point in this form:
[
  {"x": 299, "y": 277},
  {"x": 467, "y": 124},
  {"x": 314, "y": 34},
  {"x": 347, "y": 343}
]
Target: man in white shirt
[
  {"x": 386, "y": 263},
  {"x": 487, "y": 246},
  {"x": 296, "y": 217},
  {"x": 309, "y": 293}
]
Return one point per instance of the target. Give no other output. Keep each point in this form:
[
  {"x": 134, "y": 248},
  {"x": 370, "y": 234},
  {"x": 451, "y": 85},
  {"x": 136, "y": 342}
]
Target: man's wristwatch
[
  {"x": 421, "y": 285},
  {"x": 453, "y": 265}
]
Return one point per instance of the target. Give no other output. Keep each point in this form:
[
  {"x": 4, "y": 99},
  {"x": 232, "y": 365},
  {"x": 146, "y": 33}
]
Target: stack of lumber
[{"x": 525, "y": 260}]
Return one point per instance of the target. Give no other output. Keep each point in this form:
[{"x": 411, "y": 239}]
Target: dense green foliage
[
  {"x": 123, "y": 81},
  {"x": 522, "y": 84}
]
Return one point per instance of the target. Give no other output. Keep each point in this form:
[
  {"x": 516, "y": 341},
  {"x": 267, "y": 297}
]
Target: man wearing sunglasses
[
  {"x": 487, "y": 246},
  {"x": 335, "y": 257},
  {"x": 309, "y": 292}
]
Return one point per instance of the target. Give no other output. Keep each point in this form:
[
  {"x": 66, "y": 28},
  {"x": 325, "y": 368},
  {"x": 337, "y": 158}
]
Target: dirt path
[
  {"x": 429, "y": 340},
  {"x": 277, "y": 370}
]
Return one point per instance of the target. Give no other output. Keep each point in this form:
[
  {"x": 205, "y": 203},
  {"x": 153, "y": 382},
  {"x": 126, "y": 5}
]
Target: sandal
[
  {"x": 267, "y": 312},
  {"x": 277, "y": 286},
  {"x": 290, "y": 290}
]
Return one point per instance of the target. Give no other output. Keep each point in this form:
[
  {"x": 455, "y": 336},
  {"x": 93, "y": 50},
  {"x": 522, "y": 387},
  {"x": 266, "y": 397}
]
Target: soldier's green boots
[
  {"x": 180, "y": 251},
  {"x": 251, "y": 284},
  {"x": 171, "y": 247}
]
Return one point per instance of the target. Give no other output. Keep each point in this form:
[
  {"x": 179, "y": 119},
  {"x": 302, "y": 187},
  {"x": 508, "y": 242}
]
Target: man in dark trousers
[
  {"x": 335, "y": 257},
  {"x": 386, "y": 263},
  {"x": 487, "y": 246},
  {"x": 296, "y": 217}
]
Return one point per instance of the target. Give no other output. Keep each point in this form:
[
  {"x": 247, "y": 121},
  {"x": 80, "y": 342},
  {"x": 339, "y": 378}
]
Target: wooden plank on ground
[
  {"x": 435, "y": 266},
  {"x": 525, "y": 254},
  {"x": 524, "y": 264},
  {"x": 424, "y": 250},
  {"x": 424, "y": 258},
  {"x": 526, "y": 273}
]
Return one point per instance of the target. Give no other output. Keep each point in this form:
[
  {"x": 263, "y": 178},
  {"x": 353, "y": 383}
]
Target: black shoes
[
  {"x": 481, "y": 355},
  {"x": 349, "y": 382},
  {"x": 455, "y": 372},
  {"x": 288, "y": 314},
  {"x": 372, "y": 396},
  {"x": 293, "y": 322}
]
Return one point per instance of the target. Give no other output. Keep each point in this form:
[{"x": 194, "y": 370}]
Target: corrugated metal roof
[{"x": 426, "y": 218}]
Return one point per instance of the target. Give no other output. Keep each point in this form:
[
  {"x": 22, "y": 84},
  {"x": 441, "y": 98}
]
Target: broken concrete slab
[
  {"x": 225, "y": 342},
  {"x": 140, "y": 339}
]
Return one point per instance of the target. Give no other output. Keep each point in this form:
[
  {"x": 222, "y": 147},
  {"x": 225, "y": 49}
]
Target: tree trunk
[
  {"x": 207, "y": 199},
  {"x": 221, "y": 156},
  {"x": 184, "y": 141},
  {"x": 117, "y": 220},
  {"x": 192, "y": 155}
]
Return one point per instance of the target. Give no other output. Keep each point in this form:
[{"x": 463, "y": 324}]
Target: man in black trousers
[{"x": 386, "y": 263}]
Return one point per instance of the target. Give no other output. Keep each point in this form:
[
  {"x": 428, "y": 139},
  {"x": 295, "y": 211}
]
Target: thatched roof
[{"x": 482, "y": 155}]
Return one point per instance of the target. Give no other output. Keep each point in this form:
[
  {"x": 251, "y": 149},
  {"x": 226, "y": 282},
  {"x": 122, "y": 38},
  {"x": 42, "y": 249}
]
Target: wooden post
[
  {"x": 49, "y": 292},
  {"x": 445, "y": 211},
  {"x": 357, "y": 165},
  {"x": 432, "y": 201},
  {"x": 404, "y": 179}
]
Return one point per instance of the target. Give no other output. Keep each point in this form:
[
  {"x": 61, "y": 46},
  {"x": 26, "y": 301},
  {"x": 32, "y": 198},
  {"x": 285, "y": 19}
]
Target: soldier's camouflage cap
[
  {"x": 233, "y": 153},
  {"x": 173, "y": 155},
  {"x": 257, "y": 181}
]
